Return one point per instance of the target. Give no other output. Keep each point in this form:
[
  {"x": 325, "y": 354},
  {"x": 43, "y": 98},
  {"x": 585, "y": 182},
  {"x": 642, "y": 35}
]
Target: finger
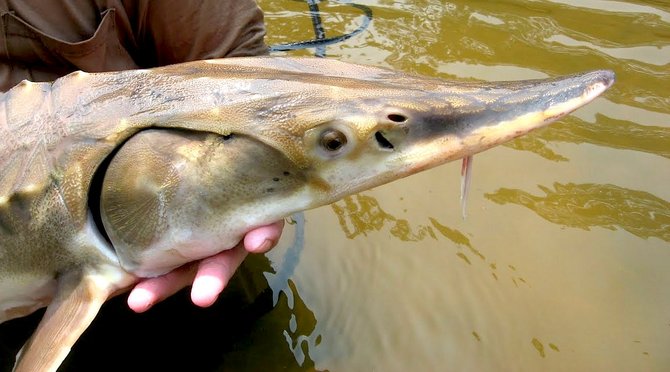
[
  {"x": 150, "y": 291},
  {"x": 213, "y": 275},
  {"x": 264, "y": 238}
]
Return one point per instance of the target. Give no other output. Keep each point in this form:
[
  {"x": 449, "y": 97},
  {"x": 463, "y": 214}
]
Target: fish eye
[{"x": 332, "y": 140}]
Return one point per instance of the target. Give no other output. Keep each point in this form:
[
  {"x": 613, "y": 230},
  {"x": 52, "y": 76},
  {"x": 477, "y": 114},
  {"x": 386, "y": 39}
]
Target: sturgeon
[{"x": 110, "y": 177}]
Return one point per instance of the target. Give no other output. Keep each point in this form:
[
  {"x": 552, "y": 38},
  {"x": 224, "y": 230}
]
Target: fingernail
[
  {"x": 140, "y": 301},
  {"x": 265, "y": 246},
  {"x": 205, "y": 290}
]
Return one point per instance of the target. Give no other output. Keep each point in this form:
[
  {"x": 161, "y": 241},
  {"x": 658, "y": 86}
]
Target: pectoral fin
[{"x": 76, "y": 304}]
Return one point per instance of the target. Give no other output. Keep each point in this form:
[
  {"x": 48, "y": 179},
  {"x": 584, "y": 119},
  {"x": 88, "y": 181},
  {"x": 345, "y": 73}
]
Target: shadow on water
[
  {"x": 244, "y": 330},
  {"x": 594, "y": 205}
]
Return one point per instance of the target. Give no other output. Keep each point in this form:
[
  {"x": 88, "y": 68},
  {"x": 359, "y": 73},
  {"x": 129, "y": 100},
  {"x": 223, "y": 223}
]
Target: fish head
[{"x": 365, "y": 136}]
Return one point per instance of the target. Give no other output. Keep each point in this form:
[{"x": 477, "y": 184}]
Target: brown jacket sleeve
[
  {"x": 43, "y": 40},
  {"x": 179, "y": 30}
]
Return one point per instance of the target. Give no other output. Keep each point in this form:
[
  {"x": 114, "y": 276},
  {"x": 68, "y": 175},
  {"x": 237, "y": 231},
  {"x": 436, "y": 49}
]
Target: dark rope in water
[
  {"x": 318, "y": 27},
  {"x": 321, "y": 41}
]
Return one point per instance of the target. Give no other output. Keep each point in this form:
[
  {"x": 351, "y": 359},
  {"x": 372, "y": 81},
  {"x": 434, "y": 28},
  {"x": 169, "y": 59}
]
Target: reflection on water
[
  {"x": 300, "y": 328},
  {"x": 360, "y": 214},
  {"x": 592, "y": 205},
  {"x": 534, "y": 143},
  {"x": 620, "y": 134},
  {"x": 609, "y": 6},
  {"x": 537, "y": 344}
]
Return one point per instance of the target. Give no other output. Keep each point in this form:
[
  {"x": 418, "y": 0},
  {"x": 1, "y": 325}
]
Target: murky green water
[{"x": 562, "y": 263}]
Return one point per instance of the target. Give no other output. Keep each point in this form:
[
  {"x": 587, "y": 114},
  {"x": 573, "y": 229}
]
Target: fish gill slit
[{"x": 95, "y": 191}]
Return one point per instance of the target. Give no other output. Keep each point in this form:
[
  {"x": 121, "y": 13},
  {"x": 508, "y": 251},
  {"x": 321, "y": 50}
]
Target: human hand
[{"x": 209, "y": 276}]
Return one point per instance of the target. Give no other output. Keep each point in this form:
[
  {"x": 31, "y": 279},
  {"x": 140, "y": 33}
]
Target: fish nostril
[
  {"x": 397, "y": 118},
  {"x": 382, "y": 141}
]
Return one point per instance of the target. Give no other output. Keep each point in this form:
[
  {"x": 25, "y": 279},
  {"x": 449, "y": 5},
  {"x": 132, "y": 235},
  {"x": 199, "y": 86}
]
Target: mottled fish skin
[{"x": 335, "y": 128}]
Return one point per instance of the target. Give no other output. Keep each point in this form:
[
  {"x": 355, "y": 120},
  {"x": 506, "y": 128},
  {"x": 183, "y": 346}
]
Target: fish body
[{"x": 109, "y": 177}]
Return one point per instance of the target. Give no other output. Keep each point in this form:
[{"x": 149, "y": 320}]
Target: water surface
[{"x": 562, "y": 263}]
